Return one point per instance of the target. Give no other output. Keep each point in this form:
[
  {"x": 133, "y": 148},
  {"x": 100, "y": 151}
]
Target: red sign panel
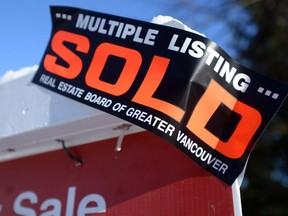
[
  {"x": 148, "y": 177},
  {"x": 177, "y": 84}
]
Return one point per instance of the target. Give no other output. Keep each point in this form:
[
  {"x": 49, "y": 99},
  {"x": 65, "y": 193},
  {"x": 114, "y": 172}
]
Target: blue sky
[{"x": 26, "y": 25}]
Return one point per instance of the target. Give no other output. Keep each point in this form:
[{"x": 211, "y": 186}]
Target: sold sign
[{"x": 174, "y": 83}]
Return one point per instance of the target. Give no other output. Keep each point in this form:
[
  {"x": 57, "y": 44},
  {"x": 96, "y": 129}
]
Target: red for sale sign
[
  {"x": 176, "y": 84},
  {"x": 136, "y": 181}
]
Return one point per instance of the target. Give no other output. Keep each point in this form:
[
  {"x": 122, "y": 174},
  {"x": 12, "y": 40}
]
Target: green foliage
[{"x": 266, "y": 192}]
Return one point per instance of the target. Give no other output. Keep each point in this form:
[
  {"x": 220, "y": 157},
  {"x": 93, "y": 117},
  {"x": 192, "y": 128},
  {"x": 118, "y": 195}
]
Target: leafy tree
[{"x": 266, "y": 192}]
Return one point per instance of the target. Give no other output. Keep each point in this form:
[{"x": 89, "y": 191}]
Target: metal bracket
[
  {"x": 122, "y": 129},
  {"x": 78, "y": 161}
]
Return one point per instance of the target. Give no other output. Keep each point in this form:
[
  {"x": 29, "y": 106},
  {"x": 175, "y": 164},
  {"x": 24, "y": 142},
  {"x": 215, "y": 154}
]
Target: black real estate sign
[{"x": 176, "y": 84}]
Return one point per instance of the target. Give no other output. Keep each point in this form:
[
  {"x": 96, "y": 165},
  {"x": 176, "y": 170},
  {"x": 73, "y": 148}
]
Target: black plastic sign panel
[{"x": 176, "y": 84}]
